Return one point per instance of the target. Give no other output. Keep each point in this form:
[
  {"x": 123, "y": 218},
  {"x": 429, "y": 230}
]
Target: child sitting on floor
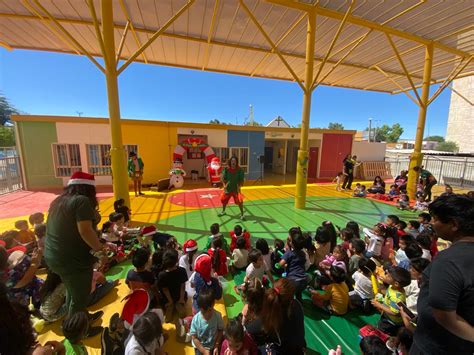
[
  {"x": 256, "y": 268},
  {"x": 207, "y": 326},
  {"x": 363, "y": 292},
  {"x": 237, "y": 341},
  {"x": 215, "y": 233},
  {"x": 40, "y": 232},
  {"x": 420, "y": 204},
  {"x": 413, "y": 228},
  {"x": 335, "y": 299},
  {"x": 391, "y": 320},
  {"x": 322, "y": 244},
  {"x": 204, "y": 280},
  {"x": 375, "y": 239},
  {"x": 25, "y": 236},
  {"x": 239, "y": 232},
  {"x": 76, "y": 328},
  {"x": 120, "y": 207},
  {"x": 240, "y": 255},
  {"x": 140, "y": 277},
  {"x": 147, "y": 335},
  {"x": 356, "y": 250},
  {"x": 171, "y": 282},
  {"x": 404, "y": 201},
  {"x": 36, "y": 218},
  {"x": 277, "y": 253},
  {"x": 219, "y": 258},
  {"x": 393, "y": 193},
  {"x": 262, "y": 245},
  {"x": 359, "y": 191}
]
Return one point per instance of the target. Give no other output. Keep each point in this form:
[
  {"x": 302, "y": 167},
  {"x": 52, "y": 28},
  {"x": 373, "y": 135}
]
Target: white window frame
[
  {"x": 104, "y": 169},
  {"x": 240, "y": 152},
  {"x": 223, "y": 153},
  {"x": 66, "y": 170}
]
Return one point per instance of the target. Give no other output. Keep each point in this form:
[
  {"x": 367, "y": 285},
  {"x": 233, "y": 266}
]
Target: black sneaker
[
  {"x": 93, "y": 331},
  {"x": 95, "y": 316}
]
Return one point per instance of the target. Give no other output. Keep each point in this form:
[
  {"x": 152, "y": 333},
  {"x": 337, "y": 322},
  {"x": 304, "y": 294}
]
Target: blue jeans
[{"x": 100, "y": 292}]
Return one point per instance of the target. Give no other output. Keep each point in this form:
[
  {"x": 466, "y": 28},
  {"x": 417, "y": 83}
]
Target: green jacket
[{"x": 131, "y": 166}]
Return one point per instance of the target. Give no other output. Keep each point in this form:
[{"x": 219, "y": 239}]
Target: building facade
[{"x": 52, "y": 148}]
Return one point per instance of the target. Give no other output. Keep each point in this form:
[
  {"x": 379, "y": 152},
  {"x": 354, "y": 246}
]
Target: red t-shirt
[
  {"x": 233, "y": 240},
  {"x": 222, "y": 269}
]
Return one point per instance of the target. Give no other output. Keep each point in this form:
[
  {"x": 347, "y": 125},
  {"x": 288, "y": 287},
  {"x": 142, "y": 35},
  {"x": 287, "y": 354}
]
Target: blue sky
[{"x": 61, "y": 84}]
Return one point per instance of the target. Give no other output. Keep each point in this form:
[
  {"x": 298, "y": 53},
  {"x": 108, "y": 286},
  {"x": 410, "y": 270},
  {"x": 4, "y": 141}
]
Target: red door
[{"x": 313, "y": 163}]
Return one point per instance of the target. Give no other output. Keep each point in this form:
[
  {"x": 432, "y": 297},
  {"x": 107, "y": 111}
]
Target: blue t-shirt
[
  {"x": 200, "y": 284},
  {"x": 206, "y": 330},
  {"x": 295, "y": 262}
]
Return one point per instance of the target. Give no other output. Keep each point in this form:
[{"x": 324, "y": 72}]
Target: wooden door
[{"x": 313, "y": 163}]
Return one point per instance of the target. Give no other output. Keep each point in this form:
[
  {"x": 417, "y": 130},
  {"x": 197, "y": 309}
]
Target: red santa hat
[
  {"x": 148, "y": 230},
  {"x": 136, "y": 305},
  {"x": 203, "y": 265},
  {"x": 81, "y": 178},
  {"x": 215, "y": 160},
  {"x": 190, "y": 245}
]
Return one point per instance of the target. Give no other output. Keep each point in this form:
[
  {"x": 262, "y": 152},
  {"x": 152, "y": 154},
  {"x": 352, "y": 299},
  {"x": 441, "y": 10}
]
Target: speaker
[{"x": 261, "y": 159}]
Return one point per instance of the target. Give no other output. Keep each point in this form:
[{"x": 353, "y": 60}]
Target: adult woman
[
  {"x": 283, "y": 319},
  {"x": 445, "y": 306},
  {"x": 135, "y": 171},
  {"x": 232, "y": 179},
  {"x": 378, "y": 186},
  {"x": 428, "y": 181},
  {"x": 348, "y": 171},
  {"x": 401, "y": 180},
  {"x": 71, "y": 239}
]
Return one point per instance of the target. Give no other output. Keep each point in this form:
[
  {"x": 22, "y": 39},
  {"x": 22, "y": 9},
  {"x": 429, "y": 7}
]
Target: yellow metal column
[
  {"x": 302, "y": 163},
  {"x": 117, "y": 151},
  {"x": 416, "y": 157}
]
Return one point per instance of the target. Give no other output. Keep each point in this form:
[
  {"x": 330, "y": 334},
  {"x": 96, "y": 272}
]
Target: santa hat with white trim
[
  {"x": 190, "y": 245},
  {"x": 81, "y": 178},
  {"x": 148, "y": 230}
]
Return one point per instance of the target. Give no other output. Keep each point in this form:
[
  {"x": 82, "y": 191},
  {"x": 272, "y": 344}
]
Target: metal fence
[
  {"x": 10, "y": 175},
  {"x": 454, "y": 171}
]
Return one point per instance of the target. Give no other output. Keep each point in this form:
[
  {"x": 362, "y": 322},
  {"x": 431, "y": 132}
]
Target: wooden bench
[{"x": 368, "y": 170}]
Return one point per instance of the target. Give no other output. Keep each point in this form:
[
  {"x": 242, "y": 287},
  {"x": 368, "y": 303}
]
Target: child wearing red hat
[
  {"x": 186, "y": 261},
  {"x": 203, "y": 279}
]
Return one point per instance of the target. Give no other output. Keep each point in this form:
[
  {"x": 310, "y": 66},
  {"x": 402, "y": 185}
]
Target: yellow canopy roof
[{"x": 221, "y": 36}]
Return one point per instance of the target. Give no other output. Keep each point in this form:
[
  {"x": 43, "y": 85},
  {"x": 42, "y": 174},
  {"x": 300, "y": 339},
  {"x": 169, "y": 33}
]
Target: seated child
[
  {"x": 337, "y": 258},
  {"x": 25, "y": 236},
  {"x": 372, "y": 344},
  {"x": 403, "y": 201},
  {"x": 186, "y": 261},
  {"x": 76, "y": 328},
  {"x": 203, "y": 279},
  {"x": 420, "y": 204},
  {"x": 393, "y": 192},
  {"x": 36, "y": 218},
  {"x": 40, "y": 232},
  {"x": 424, "y": 241},
  {"x": 147, "y": 335},
  {"x": 424, "y": 219},
  {"x": 240, "y": 255},
  {"x": 262, "y": 245},
  {"x": 412, "y": 251},
  {"x": 120, "y": 228},
  {"x": 207, "y": 326},
  {"x": 219, "y": 258},
  {"x": 363, "y": 291},
  {"x": 238, "y": 232},
  {"x": 252, "y": 295},
  {"x": 237, "y": 341},
  {"x": 359, "y": 191},
  {"x": 294, "y": 262},
  {"x": 256, "y": 268},
  {"x": 322, "y": 245},
  {"x": 120, "y": 207},
  {"x": 140, "y": 276},
  {"x": 100, "y": 287},
  {"x": 356, "y": 249},
  {"x": 375, "y": 239},
  {"x": 215, "y": 232},
  {"x": 171, "y": 282},
  {"x": 335, "y": 298},
  {"x": 108, "y": 233},
  {"x": 400, "y": 255},
  {"x": 391, "y": 320},
  {"x": 417, "y": 266},
  {"x": 413, "y": 227},
  {"x": 172, "y": 243},
  {"x": 275, "y": 257},
  {"x": 346, "y": 235}
]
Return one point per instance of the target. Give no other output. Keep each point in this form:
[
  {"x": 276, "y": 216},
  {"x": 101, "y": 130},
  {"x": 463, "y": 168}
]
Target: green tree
[
  {"x": 388, "y": 134},
  {"x": 6, "y": 110},
  {"x": 434, "y": 139},
  {"x": 447, "y": 146},
  {"x": 336, "y": 126},
  {"x": 7, "y": 136}
]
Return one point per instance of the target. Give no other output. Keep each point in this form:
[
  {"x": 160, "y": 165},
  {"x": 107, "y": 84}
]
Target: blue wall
[{"x": 255, "y": 141}]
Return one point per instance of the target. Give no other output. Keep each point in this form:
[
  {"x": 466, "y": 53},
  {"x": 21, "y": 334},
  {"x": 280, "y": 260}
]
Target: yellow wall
[{"x": 156, "y": 144}]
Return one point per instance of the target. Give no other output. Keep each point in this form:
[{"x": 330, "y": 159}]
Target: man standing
[
  {"x": 446, "y": 302},
  {"x": 232, "y": 180}
]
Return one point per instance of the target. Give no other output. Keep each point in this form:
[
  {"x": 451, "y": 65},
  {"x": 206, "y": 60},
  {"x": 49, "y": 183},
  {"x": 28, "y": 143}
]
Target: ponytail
[
  {"x": 276, "y": 304},
  {"x": 216, "y": 259}
]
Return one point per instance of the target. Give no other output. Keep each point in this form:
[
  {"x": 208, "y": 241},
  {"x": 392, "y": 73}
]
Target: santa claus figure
[
  {"x": 177, "y": 175},
  {"x": 215, "y": 171}
]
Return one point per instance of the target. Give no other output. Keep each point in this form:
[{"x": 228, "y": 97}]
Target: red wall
[{"x": 334, "y": 149}]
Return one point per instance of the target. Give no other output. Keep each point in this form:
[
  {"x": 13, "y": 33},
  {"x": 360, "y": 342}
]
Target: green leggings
[{"x": 78, "y": 285}]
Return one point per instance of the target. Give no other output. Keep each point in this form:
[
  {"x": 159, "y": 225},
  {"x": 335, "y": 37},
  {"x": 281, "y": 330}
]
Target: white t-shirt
[
  {"x": 412, "y": 291},
  {"x": 184, "y": 263},
  {"x": 363, "y": 285},
  {"x": 426, "y": 254},
  {"x": 400, "y": 256},
  {"x": 252, "y": 272},
  {"x": 132, "y": 347},
  {"x": 241, "y": 258},
  {"x": 375, "y": 242}
]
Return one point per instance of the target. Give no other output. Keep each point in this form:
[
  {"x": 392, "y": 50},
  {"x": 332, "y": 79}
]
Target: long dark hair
[
  {"x": 216, "y": 258},
  {"x": 236, "y": 160},
  {"x": 276, "y": 305},
  {"x": 57, "y": 206}
]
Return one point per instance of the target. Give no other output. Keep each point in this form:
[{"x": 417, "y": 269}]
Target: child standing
[
  {"x": 338, "y": 180},
  {"x": 294, "y": 261},
  {"x": 207, "y": 326},
  {"x": 171, "y": 282},
  {"x": 391, "y": 320},
  {"x": 240, "y": 255},
  {"x": 335, "y": 299},
  {"x": 363, "y": 291},
  {"x": 239, "y": 232},
  {"x": 256, "y": 268},
  {"x": 219, "y": 258},
  {"x": 140, "y": 277},
  {"x": 237, "y": 340}
]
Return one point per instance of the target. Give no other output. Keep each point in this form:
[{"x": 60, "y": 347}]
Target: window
[
  {"x": 67, "y": 159},
  {"x": 222, "y": 153},
  {"x": 243, "y": 155},
  {"x": 98, "y": 158}
]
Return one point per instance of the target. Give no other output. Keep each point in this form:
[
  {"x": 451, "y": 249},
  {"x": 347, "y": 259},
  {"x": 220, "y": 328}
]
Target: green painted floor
[{"x": 271, "y": 218}]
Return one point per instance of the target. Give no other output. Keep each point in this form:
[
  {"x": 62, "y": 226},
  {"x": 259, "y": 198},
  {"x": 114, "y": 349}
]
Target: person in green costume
[
  {"x": 72, "y": 245},
  {"x": 232, "y": 181},
  {"x": 428, "y": 181},
  {"x": 135, "y": 171}
]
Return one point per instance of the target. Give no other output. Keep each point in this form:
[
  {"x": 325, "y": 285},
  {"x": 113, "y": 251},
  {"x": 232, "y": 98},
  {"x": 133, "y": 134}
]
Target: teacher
[
  {"x": 135, "y": 171},
  {"x": 428, "y": 181},
  {"x": 348, "y": 171},
  {"x": 71, "y": 241},
  {"x": 232, "y": 180}
]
